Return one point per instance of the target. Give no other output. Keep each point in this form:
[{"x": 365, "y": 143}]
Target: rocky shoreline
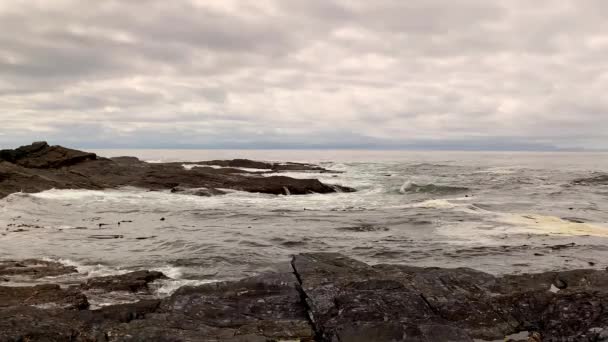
[
  {"x": 38, "y": 167},
  {"x": 320, "y": 297}
]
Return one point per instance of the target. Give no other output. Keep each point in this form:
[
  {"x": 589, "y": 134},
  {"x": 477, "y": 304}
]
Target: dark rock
[
  {"x": 105, "y": 236},
  {"x": 252, "y": 164},
  {"x": 204, "y": 192},
  {"x": 329, "y": 297},
  {"x": 45, "y": 296},
  {"x": 363, "y": 228},
  {"x": 574, "y": 219},
  {"x": 593, "y": 180},
  {"x": 40, "y": 155},
  {"x": 130, "y": 282},
  {"x": 33, "y": 268},
  {"x": 40, "y": 167},
  {"x": 349, "y": 299},
  {"x": 264, "y": 308}
]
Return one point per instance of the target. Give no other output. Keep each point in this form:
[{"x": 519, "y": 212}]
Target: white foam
[
  {"x": 543, "y": 224},
  {"x": 247, "y": 169},
  {"x": 89, "y": 271},
  {"x": 406, "y": 186},
  {"x": 170, "y": 271},
  {"x": 436, "y": 204},
  {"x": 168, "y": 287}
]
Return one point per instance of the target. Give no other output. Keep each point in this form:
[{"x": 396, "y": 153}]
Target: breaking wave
[{"x": 410, "y": 187}]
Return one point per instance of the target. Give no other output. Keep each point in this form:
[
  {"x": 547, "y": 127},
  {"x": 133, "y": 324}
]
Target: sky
[{"x": 416, "y": 74}]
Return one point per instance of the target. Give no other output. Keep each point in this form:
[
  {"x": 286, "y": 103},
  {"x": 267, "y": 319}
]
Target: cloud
[{"x": 471, "y": 74}]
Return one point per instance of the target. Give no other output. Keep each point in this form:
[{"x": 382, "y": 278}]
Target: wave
[{"x": 410, "y": 187}]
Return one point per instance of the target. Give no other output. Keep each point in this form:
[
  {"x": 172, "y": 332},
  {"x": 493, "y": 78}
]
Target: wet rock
[
  {"x": 264, "y": 308},
  {"x": 106, "y": 236},
  {"x": 130, "y": 282},
  {"x": 33, "y": 268},
  {"x": 593, "y": 180},
  {"x": 204, "y": 192},
  {"x": 41, "y": 167},
  {"x": 25, "y": 323},
  {"x": 574, "y": 219},
  {"x": 363, "y": 228},
  {"x": 348, "y": 298},
  {"x": 351, "y": 301},
  {"x": 328, "y": 297},
  {"x": 40, "y": 155},
  {"x": 43, "y": 296},
  {"x": 252, "y": 164}
]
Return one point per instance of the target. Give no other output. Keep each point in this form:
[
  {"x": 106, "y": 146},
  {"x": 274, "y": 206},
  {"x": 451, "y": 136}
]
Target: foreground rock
[
  {"x": 129, "y": 282},
  {"x": 327, "y": 297},
  {"x": 352, "y": 301},
  {"x": 40, "y": 167}
]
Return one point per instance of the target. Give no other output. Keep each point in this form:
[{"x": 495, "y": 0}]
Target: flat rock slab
[
  {"x": 128, "y": 282},
  {"x": 42, "y": 296},
  {"x": 352, "y": 301},
  {"x": 327, "y": 298},
  {"x": 34, "y": 268},
  {"x": 264, "y": 308}
]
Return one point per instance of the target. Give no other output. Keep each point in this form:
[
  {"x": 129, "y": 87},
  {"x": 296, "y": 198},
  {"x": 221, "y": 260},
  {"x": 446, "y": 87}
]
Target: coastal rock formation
[
  {"x": 263, "y": 166},
  {"x": 327, "y": 297},
  {"x": 40, "y": 167}
]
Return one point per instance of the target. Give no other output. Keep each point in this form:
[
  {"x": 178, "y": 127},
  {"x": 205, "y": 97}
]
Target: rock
[
  {"x": 44, "y": 296},
  {"x": 252, "y": 164},
  {"x": 204, "y": 192},
  {"x": 33, "y": 268},
  {"x": 349, "y": 299},
  {"x": 574, "y": 219},
  {"x": 264, "y": 308},
  {"x": 106, "y": 236},
  {"x": 34, "y": 324},
  {"x": 40, "y": 167},
  {"x": 363, "y": 228},
  {"x": 594, "y": 180},
  {"x": 328, "y": 297},
  {"x": 130, "y": 282},
  {"x": 40, "y": 155}
]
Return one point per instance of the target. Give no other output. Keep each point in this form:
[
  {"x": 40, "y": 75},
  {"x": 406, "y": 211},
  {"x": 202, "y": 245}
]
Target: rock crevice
[{"x": 325, "y": 297}]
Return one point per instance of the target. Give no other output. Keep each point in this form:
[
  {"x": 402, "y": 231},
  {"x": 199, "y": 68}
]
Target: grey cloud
[{"x": 294, "y": 73}]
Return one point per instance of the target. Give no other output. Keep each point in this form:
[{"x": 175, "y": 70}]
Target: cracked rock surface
[{"x": 327, "y": 297}]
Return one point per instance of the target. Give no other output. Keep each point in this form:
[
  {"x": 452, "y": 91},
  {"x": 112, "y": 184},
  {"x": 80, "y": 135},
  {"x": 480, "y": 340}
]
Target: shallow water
[{"x": 497, "y": 212}]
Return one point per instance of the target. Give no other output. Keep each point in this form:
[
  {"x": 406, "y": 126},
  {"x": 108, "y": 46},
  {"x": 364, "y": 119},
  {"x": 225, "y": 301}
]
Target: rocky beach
[{"x": 306, "y": 289}]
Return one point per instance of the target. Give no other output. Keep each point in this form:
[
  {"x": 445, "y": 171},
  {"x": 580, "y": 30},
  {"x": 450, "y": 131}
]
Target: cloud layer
[{"x": 305, "y": 73}]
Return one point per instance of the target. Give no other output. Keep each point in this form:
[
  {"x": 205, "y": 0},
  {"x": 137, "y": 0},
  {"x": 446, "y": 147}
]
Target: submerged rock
[
  {"x": 204, "y": 192},
  {"x": 594, "y": 180}
]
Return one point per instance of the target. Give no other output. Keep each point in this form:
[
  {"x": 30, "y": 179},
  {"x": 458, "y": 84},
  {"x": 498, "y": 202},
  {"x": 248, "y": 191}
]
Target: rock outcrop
[
  {"x": 40, "y": 167},
  {"x": 327, "y": 297},
  {"x": 593, "y": 180}
]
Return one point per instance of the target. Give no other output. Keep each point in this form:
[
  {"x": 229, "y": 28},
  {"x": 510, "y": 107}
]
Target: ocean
[{"x": 499, "y": 212}]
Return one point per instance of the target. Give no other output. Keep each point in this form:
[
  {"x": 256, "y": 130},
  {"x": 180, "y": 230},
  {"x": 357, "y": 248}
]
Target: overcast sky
[{"x": 463, "y": 74}]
